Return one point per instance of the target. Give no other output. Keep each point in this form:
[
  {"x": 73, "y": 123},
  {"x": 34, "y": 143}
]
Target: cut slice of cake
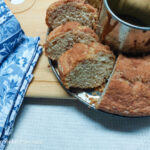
[
  {"x": 86, "y": 66},
  {"x": 63, "y": 38},
  {"x": 63, "y": 11},
  {"x": 128, "y": 91}
]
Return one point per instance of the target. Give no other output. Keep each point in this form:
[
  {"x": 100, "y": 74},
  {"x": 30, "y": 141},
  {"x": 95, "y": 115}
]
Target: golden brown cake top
[
  {"x": 62, "y": 29},
  {"x": 129, "y": 90},
  {"x": 70, "y": 26},
  {"x": 79, "y": 53},
  {"x": 79, "y": 4}
]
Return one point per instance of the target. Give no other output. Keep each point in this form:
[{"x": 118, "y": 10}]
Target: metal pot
[{"x": 125, "y": 27}]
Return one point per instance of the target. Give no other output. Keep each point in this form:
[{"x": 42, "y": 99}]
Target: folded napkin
[
  {"x": 10, "y": 31},
  {"x": 18, "y": 56}
]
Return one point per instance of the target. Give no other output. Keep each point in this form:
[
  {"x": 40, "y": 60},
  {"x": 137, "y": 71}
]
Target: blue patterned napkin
[
  {"x": 10, "y": 31},
  {"x": 18, "y": 56}
]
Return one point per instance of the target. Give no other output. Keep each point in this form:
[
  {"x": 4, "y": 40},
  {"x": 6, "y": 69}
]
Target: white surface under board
[{"x": 69, "y": 125}]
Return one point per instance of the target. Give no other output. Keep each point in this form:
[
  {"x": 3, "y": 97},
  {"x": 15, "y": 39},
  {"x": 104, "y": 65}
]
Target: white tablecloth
[{"x": 69, "y": 125}]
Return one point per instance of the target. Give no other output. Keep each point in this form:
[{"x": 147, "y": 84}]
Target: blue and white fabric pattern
[
  {"x": 18, "y": 57},
  {"x": 10, "y": 31},
  {"x": 15, "y": 75}
]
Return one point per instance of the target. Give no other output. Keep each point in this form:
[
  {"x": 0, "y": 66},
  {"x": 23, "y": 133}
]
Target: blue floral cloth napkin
[
  {"x": 10, "y": 31},
  {"x": 18, "y": 56}
]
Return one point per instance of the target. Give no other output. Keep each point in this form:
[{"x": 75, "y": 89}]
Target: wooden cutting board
[{"x": 31, "y": 15}]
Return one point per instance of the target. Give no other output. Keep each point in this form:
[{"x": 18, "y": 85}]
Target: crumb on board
[
  {"x": 100, "y": 88},
  {"x": 93, "y": 100},
  {"x": 87, "y": 95}
]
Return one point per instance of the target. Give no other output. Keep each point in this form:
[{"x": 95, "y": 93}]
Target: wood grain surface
[{"x": 31, "y": 15}]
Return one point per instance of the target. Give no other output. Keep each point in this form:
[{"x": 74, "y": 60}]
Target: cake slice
[
  {"x": 128, "y": 91},
  {"x": 63, "y": 11},
  {"x": 86, "y": 66},
  {"x": 63, "y": 37}
]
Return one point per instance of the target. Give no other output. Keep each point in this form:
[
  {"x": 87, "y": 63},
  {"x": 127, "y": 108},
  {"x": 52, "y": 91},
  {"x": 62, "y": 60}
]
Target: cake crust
[
  {"x": 69, "y": 26},
  {"x": 128, "y": 91},
  {"x": 79, "y": 4},
  {"x": 80, "y": 52}
]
